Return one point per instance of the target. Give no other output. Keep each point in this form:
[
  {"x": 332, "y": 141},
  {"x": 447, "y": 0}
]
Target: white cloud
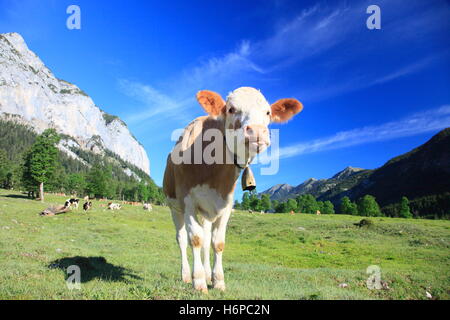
[
  {"x": 365, "y": 81},
  {"x": 177, "y": 97},
  {"x": 155, "y": 103},
  {"x": 313, "y": 31},
  {"x": 410, "y": 69},
  {"x": 218, "y": 72},
  {"x": 415, "y": 124}
]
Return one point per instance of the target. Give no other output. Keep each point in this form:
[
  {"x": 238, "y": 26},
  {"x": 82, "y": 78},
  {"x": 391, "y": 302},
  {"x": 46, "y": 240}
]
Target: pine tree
[
  {"x": 5, "y": 167},
  {"x": 291, "y": 205},
  {"x": 301, "y": 201},
  {"x": 245, "y": 201},
  {"x": 266, "y": 204},
  {"x": 307, "y": 203},
  {"x": 328, "y": 208},
  {"x": 143, "y": 192},
  {"x": 353, "y": 210},
  {"x": 99, "y": 181},
  {"x": 41, "y": 160},
  {"x": 255, "y": 202},
  {"x": 320, "y": 206},
  {"x": 310, "y": 204},
  {"x": 368, "y": 206},
  {"x": 153, "y": 194},
  {"x": 345, "y": 205},
  {"x": 275, "y": 204},
  {"x": 281, "y": 207},
  {"x": 76, "y": 184},
  {"x": 405, "y": 212},
  {"x": 348, "y": 207}
]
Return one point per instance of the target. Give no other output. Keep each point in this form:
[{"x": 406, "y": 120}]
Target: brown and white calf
[{"x": 200, "y": 193}]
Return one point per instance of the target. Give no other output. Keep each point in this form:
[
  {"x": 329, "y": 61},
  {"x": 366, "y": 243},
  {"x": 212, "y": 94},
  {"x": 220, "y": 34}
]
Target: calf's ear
[
  {"x": 285, "y": 109},
  {"x": 212, "y": 102}
]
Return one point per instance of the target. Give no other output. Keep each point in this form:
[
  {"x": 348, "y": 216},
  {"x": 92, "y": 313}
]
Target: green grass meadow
[{"x": 132, "y": 254}]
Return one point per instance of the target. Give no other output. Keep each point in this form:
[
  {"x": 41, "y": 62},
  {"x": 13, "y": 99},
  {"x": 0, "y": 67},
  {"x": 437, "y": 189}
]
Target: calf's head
[{"x": 247, "y": 115}]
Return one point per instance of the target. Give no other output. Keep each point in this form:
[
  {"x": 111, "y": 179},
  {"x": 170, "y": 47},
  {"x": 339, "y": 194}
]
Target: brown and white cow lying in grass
[{"x": 200, "y": 193}]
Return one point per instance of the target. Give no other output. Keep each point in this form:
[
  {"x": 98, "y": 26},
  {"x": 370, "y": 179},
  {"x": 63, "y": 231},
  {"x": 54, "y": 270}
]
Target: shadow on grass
[
  {"x": 16, "y": 196},
  {"x": 94, "y": 268}
]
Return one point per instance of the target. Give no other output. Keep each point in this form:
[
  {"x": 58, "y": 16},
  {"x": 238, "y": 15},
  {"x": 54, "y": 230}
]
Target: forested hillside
[
  {"x": 100, "y": 175},
  {"x": 421, "y": 175}
]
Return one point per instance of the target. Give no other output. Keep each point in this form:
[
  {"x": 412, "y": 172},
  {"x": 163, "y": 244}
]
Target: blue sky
[{"x": 368, "y": 95}]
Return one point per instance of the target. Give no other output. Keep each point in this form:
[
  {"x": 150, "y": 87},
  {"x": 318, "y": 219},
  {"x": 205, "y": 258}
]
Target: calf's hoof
[
  {"x": 219, "y": 285},
  {"x": 200, "y": 285},
  {"x": 186, "y": 276},
  {"x": 186, "y": 279},
  {"x": 202, "y": 289}
]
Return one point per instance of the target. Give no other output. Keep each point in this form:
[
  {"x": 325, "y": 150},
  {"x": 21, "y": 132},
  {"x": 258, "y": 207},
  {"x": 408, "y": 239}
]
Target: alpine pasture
[{"x": 132, "y": 254}]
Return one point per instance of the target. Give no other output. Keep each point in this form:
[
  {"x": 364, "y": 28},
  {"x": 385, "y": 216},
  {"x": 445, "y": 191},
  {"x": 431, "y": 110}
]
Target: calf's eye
[
  {"x": 231, "y": 110},
  {"x": 268, "y": 113}
]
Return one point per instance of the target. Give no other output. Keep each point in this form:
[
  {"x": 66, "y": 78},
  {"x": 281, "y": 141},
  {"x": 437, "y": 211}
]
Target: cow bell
[{"x": 248, "y": 180}]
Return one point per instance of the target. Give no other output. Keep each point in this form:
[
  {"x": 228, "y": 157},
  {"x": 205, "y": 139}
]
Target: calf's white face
[{"x": 247, "y": 115}]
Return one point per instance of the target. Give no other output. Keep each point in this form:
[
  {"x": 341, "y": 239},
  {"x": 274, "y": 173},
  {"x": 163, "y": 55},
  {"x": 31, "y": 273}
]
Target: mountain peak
[
  {"x": 16, "y": 43},
  {"x": 14, "y": 38},
  {"x": 310, "y": 186},
  {"x": 348, "y": 171},
  {"x": 282, "y": 186},
  {"x": 278, "y": 191}
]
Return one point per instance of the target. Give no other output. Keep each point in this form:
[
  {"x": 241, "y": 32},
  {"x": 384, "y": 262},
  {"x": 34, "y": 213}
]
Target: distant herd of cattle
[{"x": 74, "y": 203}]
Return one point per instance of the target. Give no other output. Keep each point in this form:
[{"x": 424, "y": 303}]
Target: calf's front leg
[
  {"x": 206, "y": 248},
  {"x": 218, "y": 240},
  {"x": 196, "y": 238}
]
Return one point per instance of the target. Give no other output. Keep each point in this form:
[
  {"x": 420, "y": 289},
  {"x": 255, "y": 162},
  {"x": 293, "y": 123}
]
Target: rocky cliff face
[{"x": 30, "y": 92}]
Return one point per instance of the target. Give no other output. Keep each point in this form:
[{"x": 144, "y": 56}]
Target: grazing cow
[
  {"x": 200, "y": 193},
  {"x": 72, "y": 203},
  {"x": 87, "y": 206},
  {"x": 148, "y": 207},
  {"x": 86, "y": 198},
  {"x": 318, "y": 212},
  {"x": 114, "y": 206}
]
